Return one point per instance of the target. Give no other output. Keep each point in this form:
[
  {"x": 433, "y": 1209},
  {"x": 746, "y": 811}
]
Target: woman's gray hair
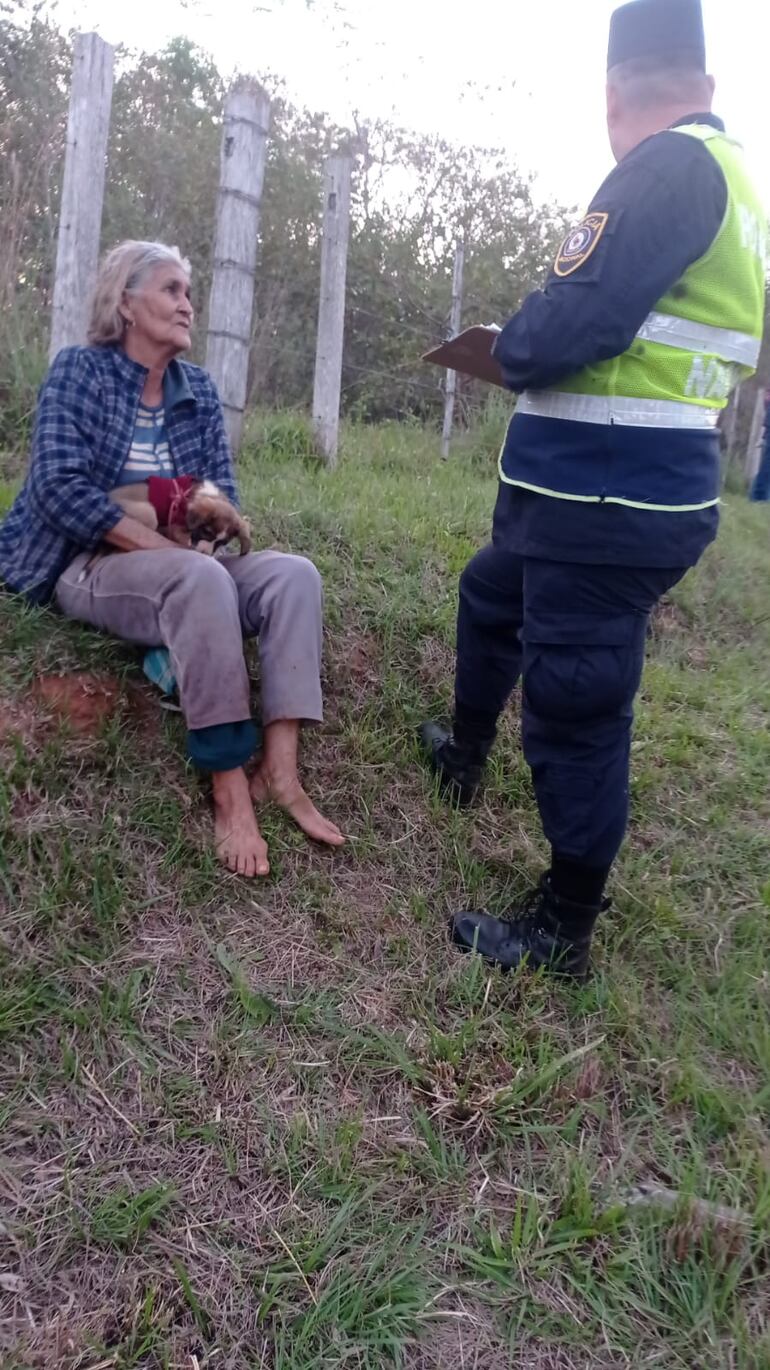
[{"x": 124, "y": 271}]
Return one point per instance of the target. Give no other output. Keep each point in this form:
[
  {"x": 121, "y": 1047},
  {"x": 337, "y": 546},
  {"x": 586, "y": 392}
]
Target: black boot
[
  {"x": 546, "y": 931},
  {"x": 458, "y": 765}
]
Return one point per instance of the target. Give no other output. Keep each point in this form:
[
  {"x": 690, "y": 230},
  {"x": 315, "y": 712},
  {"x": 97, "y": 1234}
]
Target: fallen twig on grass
[
  {"x": 648, "y": 1195},
  {"x": 733, "y": 1226}
]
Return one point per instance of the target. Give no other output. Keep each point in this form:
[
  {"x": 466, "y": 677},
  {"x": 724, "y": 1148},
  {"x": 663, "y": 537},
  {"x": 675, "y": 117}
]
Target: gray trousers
[{"x": 200, "y": 609}]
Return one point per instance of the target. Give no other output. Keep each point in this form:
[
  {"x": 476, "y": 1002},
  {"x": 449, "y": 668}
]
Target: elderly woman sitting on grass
[{"x": 117, "y": 412}]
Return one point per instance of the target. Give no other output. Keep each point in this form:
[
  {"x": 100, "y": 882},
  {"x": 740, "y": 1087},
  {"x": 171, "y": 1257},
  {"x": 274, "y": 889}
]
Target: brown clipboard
[{"x": 471, "y": 353}]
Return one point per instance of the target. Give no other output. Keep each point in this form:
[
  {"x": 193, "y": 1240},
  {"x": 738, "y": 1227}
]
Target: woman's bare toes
[
  {"x": 291, "y": 797},
  {"x": 238, "y": 841},
  {"x": 241, "y": 848}
]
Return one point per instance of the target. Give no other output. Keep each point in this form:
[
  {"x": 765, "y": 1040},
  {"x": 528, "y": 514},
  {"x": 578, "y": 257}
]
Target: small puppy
[
  {"x": 212, "y": 519},
  {"x": 190, "y": 512}
]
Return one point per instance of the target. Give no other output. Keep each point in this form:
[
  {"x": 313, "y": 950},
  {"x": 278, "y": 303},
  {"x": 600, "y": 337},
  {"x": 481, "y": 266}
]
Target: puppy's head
[{"x": 212, "y": 520}]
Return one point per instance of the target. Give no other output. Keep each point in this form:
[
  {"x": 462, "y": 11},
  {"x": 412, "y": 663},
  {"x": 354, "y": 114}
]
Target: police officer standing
[{"x": 610, "y": 472}]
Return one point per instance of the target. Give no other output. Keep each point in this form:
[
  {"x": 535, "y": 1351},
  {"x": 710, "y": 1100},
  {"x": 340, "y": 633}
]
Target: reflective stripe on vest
[
  {"x": 725, "y": 343},
  {"x": 606, "y": 409}
]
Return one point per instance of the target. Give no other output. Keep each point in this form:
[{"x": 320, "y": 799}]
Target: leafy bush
[{"x": 285, "y": 433}]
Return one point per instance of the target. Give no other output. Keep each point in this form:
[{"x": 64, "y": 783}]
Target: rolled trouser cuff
[{"x": 223, "y": 746}]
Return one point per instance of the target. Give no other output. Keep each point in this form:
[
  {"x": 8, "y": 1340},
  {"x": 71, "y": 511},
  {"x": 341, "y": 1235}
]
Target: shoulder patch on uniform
[{"x": 579, "y": 243}]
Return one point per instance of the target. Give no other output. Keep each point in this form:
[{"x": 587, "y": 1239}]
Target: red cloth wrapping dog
[{"x": 168, "y": 497}]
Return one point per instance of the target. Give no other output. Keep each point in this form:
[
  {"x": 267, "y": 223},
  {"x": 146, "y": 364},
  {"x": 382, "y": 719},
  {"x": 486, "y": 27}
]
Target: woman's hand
[{"x": 129, "y": 535}]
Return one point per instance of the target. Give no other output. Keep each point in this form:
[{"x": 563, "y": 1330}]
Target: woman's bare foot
[
  {"x": 290, "y": 795},
  {"x": 239, "y": 844}
]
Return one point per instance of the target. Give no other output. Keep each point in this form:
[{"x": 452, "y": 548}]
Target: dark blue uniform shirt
[{"x": 665, "y": 203}]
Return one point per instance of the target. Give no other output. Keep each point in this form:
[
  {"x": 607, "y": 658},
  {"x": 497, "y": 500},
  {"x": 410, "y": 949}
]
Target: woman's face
[{"x": 160, "y": 314}]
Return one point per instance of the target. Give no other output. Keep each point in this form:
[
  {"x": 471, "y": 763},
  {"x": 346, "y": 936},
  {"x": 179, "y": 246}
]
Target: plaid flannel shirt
[{"x": 84, "y": 425}]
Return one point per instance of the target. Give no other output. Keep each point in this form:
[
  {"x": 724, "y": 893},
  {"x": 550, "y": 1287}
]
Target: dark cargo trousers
[{"x": 575, "y": 636}]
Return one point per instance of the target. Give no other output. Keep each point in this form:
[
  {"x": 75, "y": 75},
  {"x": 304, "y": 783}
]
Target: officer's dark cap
[{"x": 657, "y": 28}]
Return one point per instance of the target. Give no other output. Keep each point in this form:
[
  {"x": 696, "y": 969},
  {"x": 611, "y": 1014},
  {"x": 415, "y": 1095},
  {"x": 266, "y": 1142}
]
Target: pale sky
[{"x": 523, "y": 75}]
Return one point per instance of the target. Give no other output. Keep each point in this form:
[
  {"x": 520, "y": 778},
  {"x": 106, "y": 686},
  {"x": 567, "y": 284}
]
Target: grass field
[{"x": 285, "y": 1125}]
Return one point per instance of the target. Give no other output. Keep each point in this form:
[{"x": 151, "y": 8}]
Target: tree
[
  {"x": 413, "y": 196},
  {"x": 34, "y": 77},
  {"x": 163, "y": 158}
]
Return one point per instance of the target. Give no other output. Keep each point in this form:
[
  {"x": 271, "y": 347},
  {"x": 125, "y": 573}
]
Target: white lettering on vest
[
  {"x": 709, "y": 379},
  {"x": 753, "y": 235}
]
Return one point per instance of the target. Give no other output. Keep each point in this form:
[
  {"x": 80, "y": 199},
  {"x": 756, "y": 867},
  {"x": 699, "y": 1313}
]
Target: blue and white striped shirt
[{"x": 149, "y": 453}]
